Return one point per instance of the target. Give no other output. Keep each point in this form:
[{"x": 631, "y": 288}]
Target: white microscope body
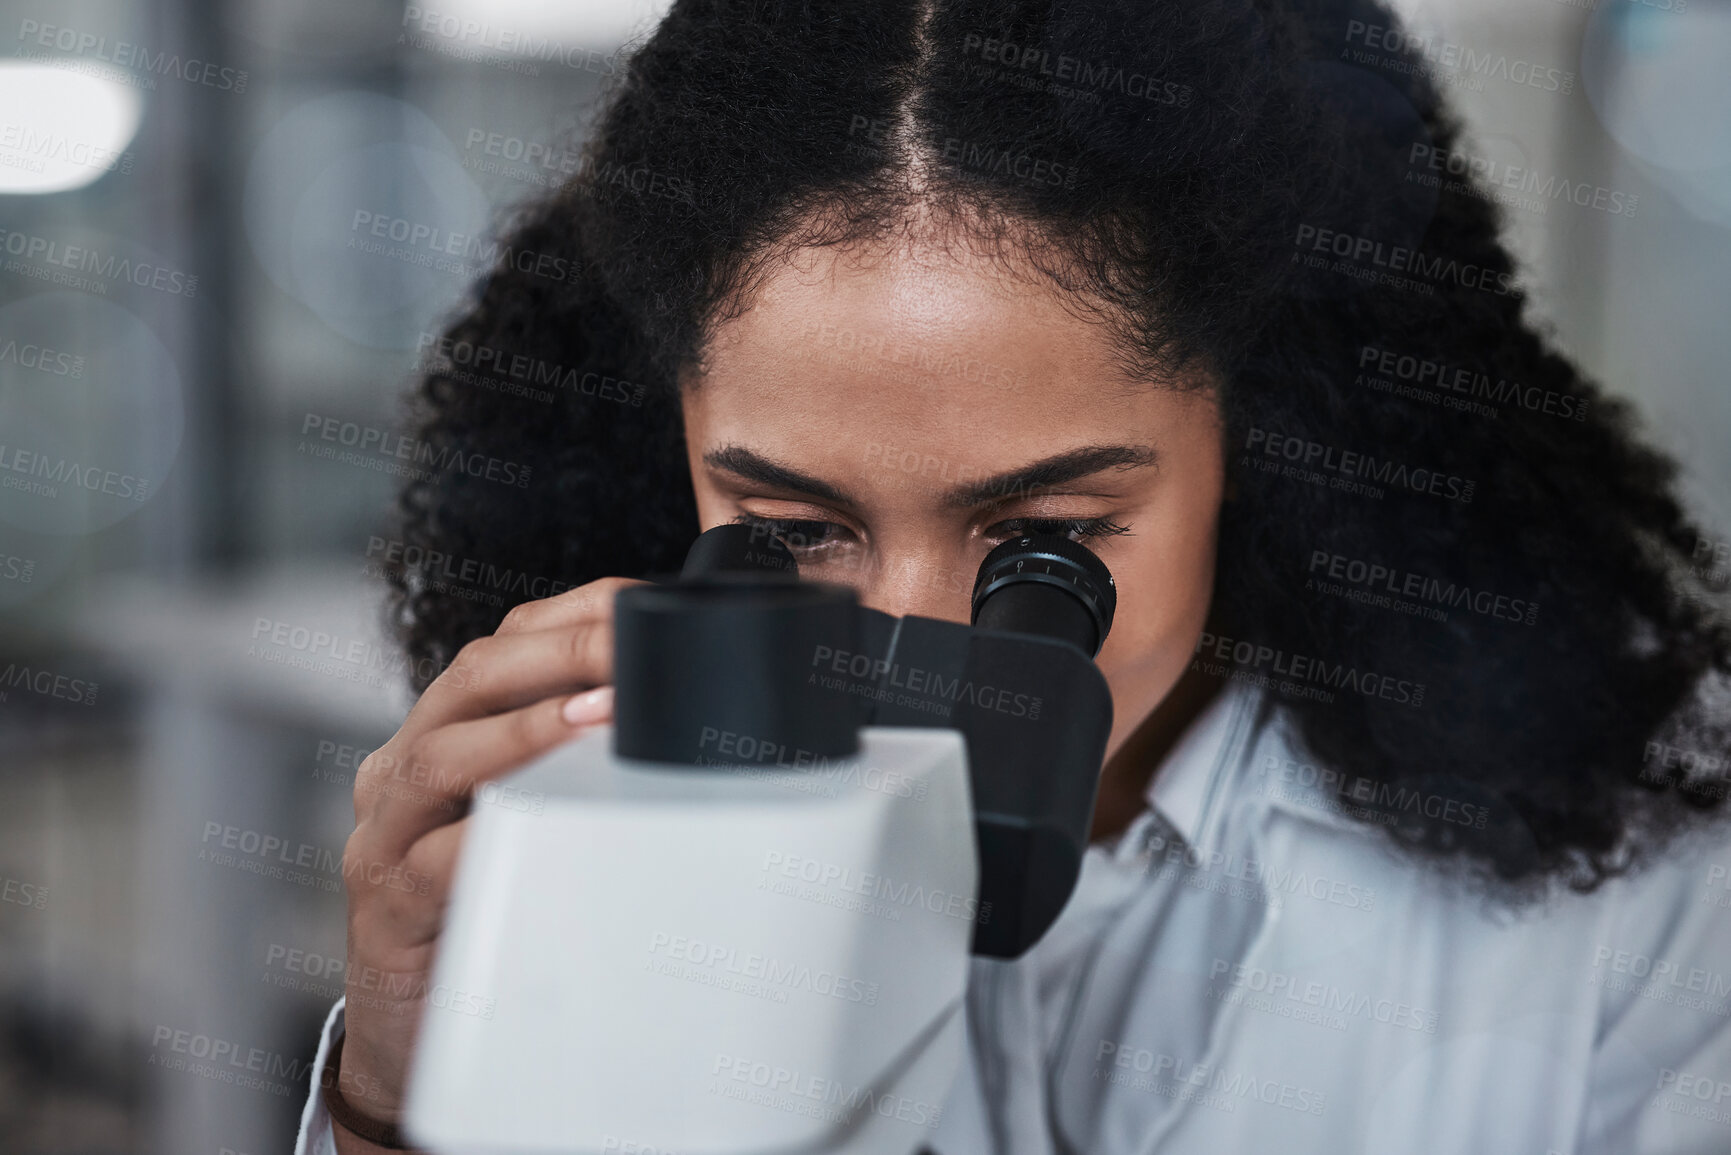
[{"x": 785, "y": 972}]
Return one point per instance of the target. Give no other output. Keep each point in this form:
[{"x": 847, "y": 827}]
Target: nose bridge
[{"x": 923, "y": 580}]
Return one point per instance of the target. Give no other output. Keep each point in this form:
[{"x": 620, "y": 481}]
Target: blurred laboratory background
[{"x": 228, "y": 227}]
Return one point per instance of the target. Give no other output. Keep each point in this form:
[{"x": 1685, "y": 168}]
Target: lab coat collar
[{"x": 1192, "y": 784}]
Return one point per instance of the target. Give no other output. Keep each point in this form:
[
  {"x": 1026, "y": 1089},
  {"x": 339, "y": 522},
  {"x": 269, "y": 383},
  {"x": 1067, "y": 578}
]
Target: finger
[
  {"x": 483, "y": 679},
  {"x": 414, "y": 909},
  {"x": 406, "y": 916},
  {"x": 389, "y": 903},
  {"x": 434, "y": 854},
  {"x": 429, "y": 786},
  {"x": 499, "y": 673},
  {"x": 573, "y": 607}
]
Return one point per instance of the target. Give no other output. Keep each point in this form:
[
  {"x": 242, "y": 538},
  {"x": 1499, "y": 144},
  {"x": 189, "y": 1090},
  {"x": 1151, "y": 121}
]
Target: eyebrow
[
  {"x": 743, "y": 462},
  {"x": 1048, "y": 472}
]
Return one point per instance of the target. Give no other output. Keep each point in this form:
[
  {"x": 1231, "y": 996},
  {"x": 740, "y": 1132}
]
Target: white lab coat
[{"x": 1247, "y": 970}]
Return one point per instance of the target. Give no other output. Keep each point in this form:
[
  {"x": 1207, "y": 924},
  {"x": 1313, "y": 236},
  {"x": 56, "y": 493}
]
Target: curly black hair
[{"x": 1460, "y": 570}]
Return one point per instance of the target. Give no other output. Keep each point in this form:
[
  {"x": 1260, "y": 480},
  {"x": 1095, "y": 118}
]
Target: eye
[
  {"x": 809, "y": 534},
  {"x": 1074, "y": 528},
  {"x": 797, "y": 533}
]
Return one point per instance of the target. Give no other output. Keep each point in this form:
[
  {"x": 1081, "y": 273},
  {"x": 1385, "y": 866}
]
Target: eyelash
[{"x": 1080, "y": 527}]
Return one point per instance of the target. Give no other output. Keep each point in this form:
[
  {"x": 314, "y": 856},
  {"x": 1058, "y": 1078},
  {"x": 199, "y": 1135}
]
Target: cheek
[
  {"x": 1165, "y": 578},
  {"x": 712, "y": 509},
  {"x": 1162, "y": 606}
]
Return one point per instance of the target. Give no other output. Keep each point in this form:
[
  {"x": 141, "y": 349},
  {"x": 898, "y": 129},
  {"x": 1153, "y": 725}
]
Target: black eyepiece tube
[
  {"x": 1048, "y": 585},
  {"x": 739, "y": 548}
]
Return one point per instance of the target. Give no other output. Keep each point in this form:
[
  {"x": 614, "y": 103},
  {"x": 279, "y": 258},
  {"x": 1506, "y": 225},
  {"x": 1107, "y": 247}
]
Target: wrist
[{"x": 361, "y": 1121}]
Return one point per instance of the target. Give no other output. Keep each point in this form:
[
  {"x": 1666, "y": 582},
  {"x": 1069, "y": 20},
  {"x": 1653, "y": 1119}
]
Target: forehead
[{"x": 919, "y": 341}]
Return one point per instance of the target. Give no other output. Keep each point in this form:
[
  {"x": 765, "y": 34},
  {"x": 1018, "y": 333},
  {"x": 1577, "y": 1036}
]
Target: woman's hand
[{"x": 504, "y": 700}]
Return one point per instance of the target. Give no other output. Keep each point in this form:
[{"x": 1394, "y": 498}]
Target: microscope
[{"x": 739, "y": 919}]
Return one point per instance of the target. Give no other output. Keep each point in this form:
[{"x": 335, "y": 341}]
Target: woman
[{"x": 1410, "y": 672}]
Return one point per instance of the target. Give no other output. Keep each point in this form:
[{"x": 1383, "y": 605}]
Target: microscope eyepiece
[
  {"x": 1046, "y": 584},
  {"x": 731, "y": 653},
  {"x": 739, "y": 548}
]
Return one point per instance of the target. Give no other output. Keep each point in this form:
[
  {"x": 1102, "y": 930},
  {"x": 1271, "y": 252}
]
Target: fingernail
[{"x": 590, "y": 706}]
